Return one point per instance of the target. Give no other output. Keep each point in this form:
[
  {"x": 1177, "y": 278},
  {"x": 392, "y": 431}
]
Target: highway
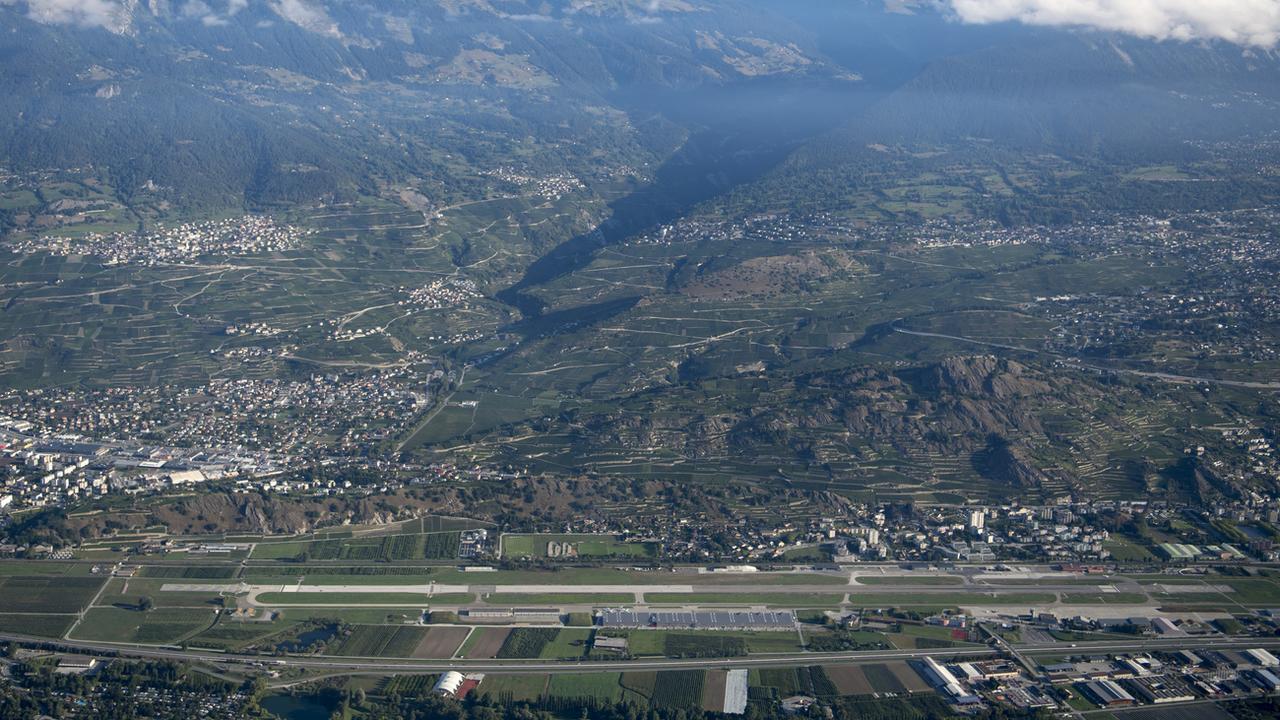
[
  {"x": 494, "y": 666},
  {"x": 401, "y": 665}
]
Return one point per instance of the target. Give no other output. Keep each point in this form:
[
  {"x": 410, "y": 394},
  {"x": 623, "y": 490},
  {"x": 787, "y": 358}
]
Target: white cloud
[
  {"x": 1245, "y": 22},
  {"x": 308, "y": 16},
  {"x": 83, "y": 13}
]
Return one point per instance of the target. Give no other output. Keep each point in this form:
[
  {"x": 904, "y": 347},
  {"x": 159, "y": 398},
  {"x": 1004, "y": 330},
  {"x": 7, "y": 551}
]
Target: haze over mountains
[{"x": 227, "y": 104}]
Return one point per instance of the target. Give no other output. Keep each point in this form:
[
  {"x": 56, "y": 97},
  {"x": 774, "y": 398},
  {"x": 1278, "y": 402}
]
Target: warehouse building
[
  {"x": 697, "y": 619},
  {"x": 1107, "y": 693},
  {"x": 1161, "y": 690},
  {"x": 1262, "y": 657}
]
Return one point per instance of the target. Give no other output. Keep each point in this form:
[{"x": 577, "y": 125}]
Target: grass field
[
  {"x": 342, "y": 599},
  {"x": 127, "y": 591},
  {"x": 884, "y": 600},
  {"x": 603, "y": 687},
  {"x": 1126, "y": 550},
  {"x": 231, "y": 636},
  {"x": 558, "y": 598},
  {"x": 586, "y": 546},
  {"x": 809, "y": 600},
  {"x": 909, "y": 580},
  {"x": 1115, "y": 598},
  {"x": 515, "y": 688},
  {"x": 568, "y": 643},
  {"x": 355, "y": 616}
]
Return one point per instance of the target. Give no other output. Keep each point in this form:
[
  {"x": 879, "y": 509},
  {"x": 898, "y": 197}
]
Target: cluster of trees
[{"x": 35, "y": 690}]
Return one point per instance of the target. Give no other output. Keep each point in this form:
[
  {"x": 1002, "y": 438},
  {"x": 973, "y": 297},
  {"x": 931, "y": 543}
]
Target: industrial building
[
  {"x": 1161, "y": 690},
  {"x": 697, "y": 619},
  {"x": 1107, "y": 693},
  {"x": 943, "y": 679},
  {"x": 1262, "y": 657},
  {"x": 547, "y": 615}
]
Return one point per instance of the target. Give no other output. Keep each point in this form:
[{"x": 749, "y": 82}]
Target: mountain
[
  {"x": 233, "y": 104},
  {"x": 281, "y": 102}
]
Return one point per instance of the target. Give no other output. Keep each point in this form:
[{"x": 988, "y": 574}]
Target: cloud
[
  {"x": 1244, "y": 22},
  {"x": 82, "y": 13},
  {"x": 307, "y": 16},
  {"x": 527, "y": 17}
]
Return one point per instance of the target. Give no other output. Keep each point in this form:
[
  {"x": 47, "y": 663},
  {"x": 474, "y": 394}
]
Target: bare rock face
[{"x": 983, "y": 376}]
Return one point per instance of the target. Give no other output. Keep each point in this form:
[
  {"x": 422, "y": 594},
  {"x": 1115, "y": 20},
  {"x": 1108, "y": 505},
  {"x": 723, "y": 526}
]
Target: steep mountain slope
[{"x": 299, "y": 101}]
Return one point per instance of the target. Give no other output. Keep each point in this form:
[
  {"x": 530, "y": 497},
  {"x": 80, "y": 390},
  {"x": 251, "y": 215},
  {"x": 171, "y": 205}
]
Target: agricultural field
[
  {"x": 638, "y": 686},
  {"x": 440, "y": 642},
  {"x": 678, "y": 688},
  {"x": 429, "y": 546},
  {"x": 189, "y": 572},
  {"x": 850, "y": 680},
  {"x": 713, "y": 686},
  {"x": 707, "y": 643},
  {"x": 161, "y": 626},
  {"x": 784, "y": 682},
  {"x": 408, "y": 684},
  {"x": 47, "y": 593},
  {"x": 527, "y": 642},
  {"x": 32, "y": 568},
  {"x": 33, "y": 624},
  {"x": 485, "y": 642},
  {"x": 378, "y": 641},
  {"x": 341, "y": 574},
  {"x": 897, "y": 677}
]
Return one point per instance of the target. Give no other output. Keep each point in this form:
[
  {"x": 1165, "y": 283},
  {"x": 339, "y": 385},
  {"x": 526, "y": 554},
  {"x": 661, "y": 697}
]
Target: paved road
[
  {"x": 536, "y": 666},
  {"x": 497, "y": 666}
]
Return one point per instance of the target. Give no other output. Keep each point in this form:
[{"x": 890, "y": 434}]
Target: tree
[{"x": 145, "y": 603}]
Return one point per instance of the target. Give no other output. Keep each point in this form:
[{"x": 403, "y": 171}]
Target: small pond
[{"x": 308, "y": 638}]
